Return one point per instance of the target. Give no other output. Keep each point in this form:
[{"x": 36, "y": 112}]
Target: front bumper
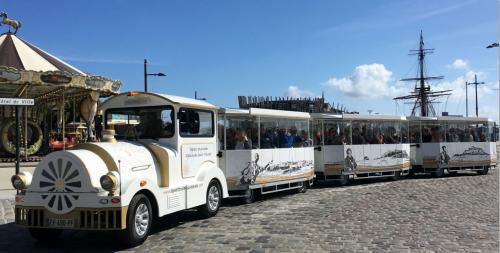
[{"x": 82, "y": 218}]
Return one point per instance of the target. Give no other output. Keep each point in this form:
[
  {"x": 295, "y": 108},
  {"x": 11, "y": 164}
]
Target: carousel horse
[{"x": 10, "y": 22}]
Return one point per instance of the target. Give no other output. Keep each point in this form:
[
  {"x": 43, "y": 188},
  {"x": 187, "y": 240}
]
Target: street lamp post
[{"x": 146, "y": 74}]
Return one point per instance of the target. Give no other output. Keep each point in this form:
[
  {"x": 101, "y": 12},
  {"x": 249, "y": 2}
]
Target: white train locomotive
[
  {"x": 161, "y": 154},
  {"x": 165, "y": 160}
]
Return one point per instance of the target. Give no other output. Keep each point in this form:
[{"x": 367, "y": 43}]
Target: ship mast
[{"x": 422, "y": 95}]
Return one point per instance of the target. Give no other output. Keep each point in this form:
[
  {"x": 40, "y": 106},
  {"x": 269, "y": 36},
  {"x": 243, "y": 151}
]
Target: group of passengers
[
  {"x": 271, "y": 137},
  {"x": 363, "y": 135},
  {"x": 366, "y": 135},
  {"x": 434, "y": 134},
  {"x": 453, "y": 135}
]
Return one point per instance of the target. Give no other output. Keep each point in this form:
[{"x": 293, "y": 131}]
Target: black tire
[
  {"x": 484, "y": 171},
  {"x": 343, "y": 181},
  {"x": 397, "y": 176},
  {"x": 302, "y": 188},
  {"x": 213, "y": 200},
  {"x": 439, "y": 172},
  {"x": 411, "y": 173},
  {"x": 45, "y": 234},
  {"x": 250, "y": 196},
  {"x": 135, "y": 235}
]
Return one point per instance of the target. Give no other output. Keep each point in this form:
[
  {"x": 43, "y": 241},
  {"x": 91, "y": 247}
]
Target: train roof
[
  {"x": 356, "y": 116},
  {"x": 265, "y": 113},
  {"x": 152, "y": 99},
  {"x": 451, "y": 118}
]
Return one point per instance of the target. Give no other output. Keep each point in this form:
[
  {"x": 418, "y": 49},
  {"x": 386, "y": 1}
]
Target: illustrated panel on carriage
[
  {"x": 457, "y": 143},
  {"x": 259, "y": 149},
  {"x": 357, "y": 144}
]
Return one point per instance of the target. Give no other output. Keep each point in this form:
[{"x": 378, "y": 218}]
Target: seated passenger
[
  {"x": 242, "y": 141},
  {"x": 453, "y": 136},
  {"x": 356, "y": 137},
  {"x": 286, "y": 140},
  {"x": 392, "y": 137},
  {"x": 378, "y": 137},
  {"x": 426, "y": 135},
  {"x": 435, "y": 136},
  {"x": 468, "y": 137}
]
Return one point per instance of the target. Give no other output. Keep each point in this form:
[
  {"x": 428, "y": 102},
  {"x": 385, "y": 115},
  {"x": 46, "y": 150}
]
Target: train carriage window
[
  {"x": 431, "y": 132},
  {"x": 334, "y": 133},
  {"x": 361, "y": 132},
  {"x": 221, "y": 131},
  {"x": 141, "y": 122},
  {"x": 196, "y": 123},
  {"x": 317, "y": 130},
  {"x": 415, "y": 132},
  {"x": 404, "y": 131},
  {"x": 481, "y": 132},
  {"x": 299, "y": 130},
  {"x": 241, "y": 133},
  {"x": 491, "y": 131},
  {"x": 453, "y": 131},
  {"x": 391, "y": 132},
  {"x": 346, "y": 129}
]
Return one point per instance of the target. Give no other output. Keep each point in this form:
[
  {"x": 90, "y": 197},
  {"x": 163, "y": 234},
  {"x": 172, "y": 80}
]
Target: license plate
[{"x": 60, "y": 223}]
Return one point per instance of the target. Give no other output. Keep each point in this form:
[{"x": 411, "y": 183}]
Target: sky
[{"x": 353, "y": 51}]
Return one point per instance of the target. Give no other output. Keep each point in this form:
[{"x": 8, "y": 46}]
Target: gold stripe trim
[
  {"x": 162, "y": 158},
  {"x": 101, "y": 152}
]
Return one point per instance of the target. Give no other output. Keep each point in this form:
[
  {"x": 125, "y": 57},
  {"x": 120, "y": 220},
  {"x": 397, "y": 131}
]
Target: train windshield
[{"x": 141, "y": 122}]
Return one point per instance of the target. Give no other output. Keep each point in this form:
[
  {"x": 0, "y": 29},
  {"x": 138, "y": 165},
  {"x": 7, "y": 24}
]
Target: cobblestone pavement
[{"x": 423, "y": 214}]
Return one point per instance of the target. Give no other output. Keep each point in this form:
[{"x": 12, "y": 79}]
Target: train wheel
[
  {"x": 302, "y": 188},
  {"x": 344, "y": 180},
  {"x": 484, "y": 171},
  {"x": 439, "y": 172},
  {"x": 139, "y": 221},
  {"x": 250, "y": 196},
  {"x": 213, "y": 201},
  {"x": 397, "y": 176},
  {"x": 45, "y": 234}
]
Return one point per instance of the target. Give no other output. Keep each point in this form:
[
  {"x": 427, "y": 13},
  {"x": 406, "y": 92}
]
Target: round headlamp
[
  {"x": 21, "y": 181},
  {"x": 109, "y": 182}
]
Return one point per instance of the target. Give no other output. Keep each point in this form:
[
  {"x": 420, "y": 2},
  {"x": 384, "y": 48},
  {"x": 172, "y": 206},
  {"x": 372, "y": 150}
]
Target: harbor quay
[{"x": 457, "y": 213}]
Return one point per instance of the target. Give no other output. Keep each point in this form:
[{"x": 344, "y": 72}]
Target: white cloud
[
  {"x": 370, "y": 80},
  {"x": 459, "y": 64},
  {"x": 489, "y": 112},
  {"x": 294, "y": 92}
]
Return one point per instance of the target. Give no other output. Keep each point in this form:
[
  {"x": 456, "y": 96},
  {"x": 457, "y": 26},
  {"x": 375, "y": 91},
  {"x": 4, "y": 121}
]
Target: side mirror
[
  {"x": 219, "y": 154},
  {"x": 317, "y": 148}
]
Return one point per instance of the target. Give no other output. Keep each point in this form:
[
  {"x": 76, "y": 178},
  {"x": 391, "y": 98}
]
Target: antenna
[{"x": 422, "y": 94}]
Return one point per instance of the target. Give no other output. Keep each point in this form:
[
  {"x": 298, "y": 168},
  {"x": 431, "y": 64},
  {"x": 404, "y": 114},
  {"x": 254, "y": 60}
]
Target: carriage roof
[
  {"x": 356, "y": 116},
  {"x": 152, "y": 99},
  {"x": 265, "y": 113}
]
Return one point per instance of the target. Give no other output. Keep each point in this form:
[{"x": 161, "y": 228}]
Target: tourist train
[{"x": 160, "y": 154}]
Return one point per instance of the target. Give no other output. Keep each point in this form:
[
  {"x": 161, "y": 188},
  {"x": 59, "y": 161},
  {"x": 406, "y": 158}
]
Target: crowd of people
[
  {"x": 361, "y": 134},
  {"x": 247, "y": 137}
]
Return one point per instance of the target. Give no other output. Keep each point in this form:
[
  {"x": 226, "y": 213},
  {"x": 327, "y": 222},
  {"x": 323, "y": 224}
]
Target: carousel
[{"x": 65, "y": 98}]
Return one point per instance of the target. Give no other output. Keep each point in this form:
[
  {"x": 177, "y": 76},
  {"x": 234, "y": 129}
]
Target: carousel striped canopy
[
  {"x": 22, "y": 55},
  {"x": 27, "y": 70}
]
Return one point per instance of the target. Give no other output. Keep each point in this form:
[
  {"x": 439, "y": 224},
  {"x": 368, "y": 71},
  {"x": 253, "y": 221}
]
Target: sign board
[{"x": 17, "y": 101}]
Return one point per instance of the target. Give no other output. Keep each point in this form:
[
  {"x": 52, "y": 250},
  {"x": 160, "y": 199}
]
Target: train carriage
[
  {"x": 165, "y": 160},
  {"x": 264, "y": 151},
  {"x": 353, "y": 146},
  {"x": 452, "y": 144}
]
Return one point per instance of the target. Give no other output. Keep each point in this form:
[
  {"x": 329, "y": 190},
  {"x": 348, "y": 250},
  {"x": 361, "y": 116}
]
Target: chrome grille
[{"x": 86, "y": 219}]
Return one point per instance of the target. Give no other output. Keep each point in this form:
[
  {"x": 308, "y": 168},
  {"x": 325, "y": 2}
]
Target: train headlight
[
  {"x": 109, "y": 182},
  {"x": 21, "y": 181}
]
